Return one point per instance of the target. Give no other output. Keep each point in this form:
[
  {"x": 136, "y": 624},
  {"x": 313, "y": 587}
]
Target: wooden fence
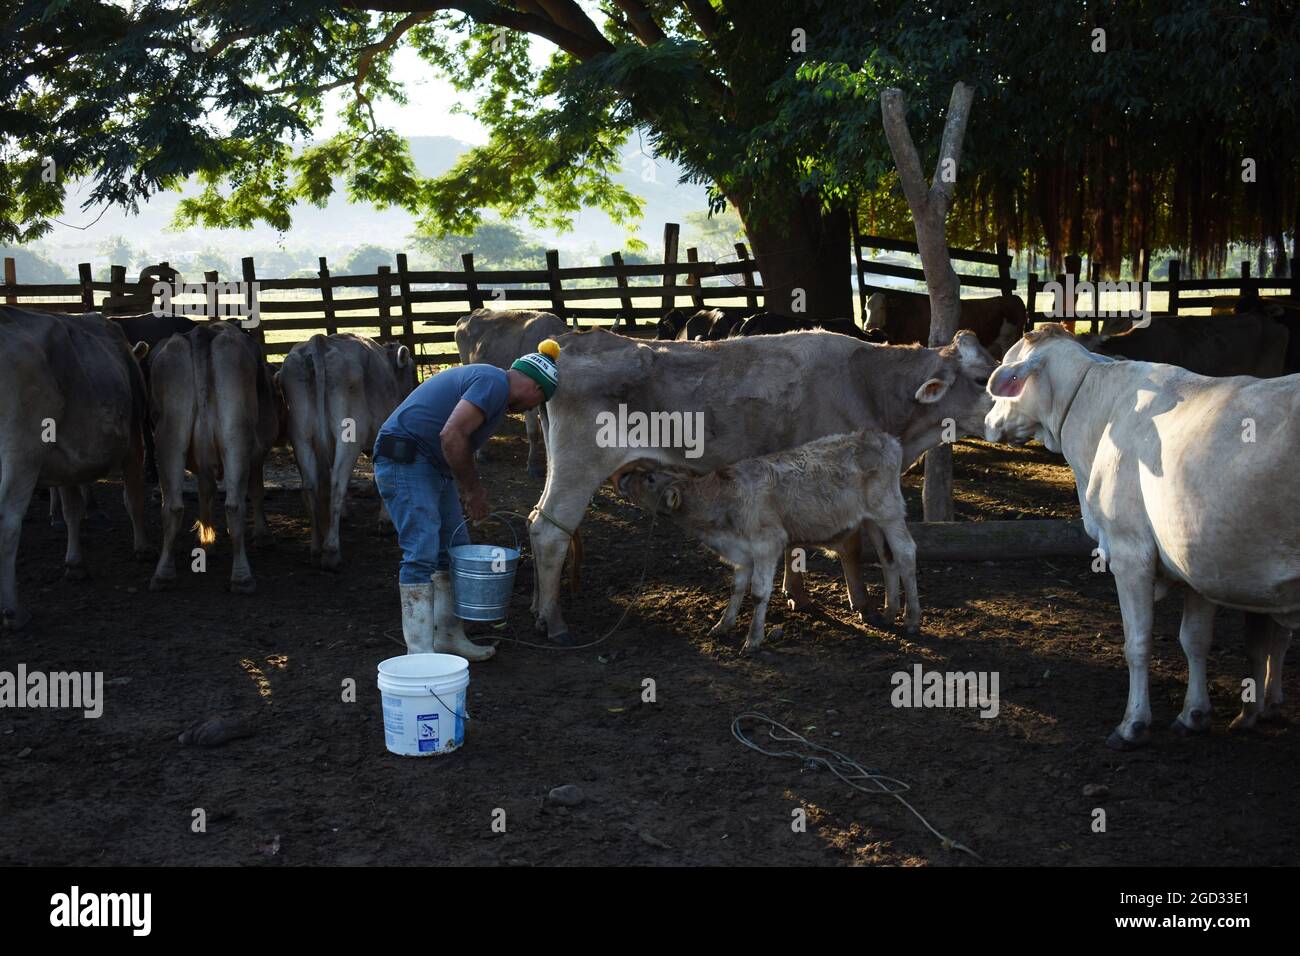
[{"x": 394, "y": 299}]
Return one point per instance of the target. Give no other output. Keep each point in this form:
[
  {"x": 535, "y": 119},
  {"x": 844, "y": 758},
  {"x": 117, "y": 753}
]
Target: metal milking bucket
[{"x": 483, "y": 576}]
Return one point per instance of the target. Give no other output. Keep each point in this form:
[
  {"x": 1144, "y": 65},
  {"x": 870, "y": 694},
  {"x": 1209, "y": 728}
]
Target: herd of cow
[{"x": 806, "y": 431}]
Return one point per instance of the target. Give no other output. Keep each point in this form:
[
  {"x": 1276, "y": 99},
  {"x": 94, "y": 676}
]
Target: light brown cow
[
  {"x": 818, "y": 494},
  {"x": 216, "y": 413},
  {"x": 750, "y": 396},
  {"x": 73, "y": 410},
  {"x": 339, "y": 390},
  {"x": 496, "y": 338},
  {"x": 904, "y": 317}
]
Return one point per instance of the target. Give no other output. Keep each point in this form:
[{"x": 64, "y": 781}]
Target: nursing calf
[{"x": 819, "y": 494}]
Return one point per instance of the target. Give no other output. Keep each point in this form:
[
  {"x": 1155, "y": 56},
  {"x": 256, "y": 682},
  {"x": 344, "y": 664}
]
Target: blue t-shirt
[{"x": 421, "y": 417}]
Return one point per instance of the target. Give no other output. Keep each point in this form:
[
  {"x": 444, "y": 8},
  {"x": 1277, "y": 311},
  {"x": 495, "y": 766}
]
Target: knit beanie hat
[{"x": 540, "y": 366}]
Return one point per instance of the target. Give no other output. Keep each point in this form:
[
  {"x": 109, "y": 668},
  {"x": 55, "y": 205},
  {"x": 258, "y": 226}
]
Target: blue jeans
[{"x": 425, "y": 508}]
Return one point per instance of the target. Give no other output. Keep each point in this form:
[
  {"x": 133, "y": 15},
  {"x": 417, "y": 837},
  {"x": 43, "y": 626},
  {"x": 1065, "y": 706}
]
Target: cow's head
[
  {"x": 672, "y": 323},
  {"x": 951, "y": 397},
  {"x": 403, "y": 367},
  {"x": 1023, "y": 395},
  {"x": 654, "y": 486}
]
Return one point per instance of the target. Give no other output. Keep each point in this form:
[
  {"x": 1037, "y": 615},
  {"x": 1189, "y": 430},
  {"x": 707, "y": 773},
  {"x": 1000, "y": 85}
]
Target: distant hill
[{"x": 341, "y": 226}]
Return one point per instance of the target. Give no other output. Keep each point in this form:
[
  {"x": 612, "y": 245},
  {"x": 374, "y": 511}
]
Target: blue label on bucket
[{"x": 428, "y": 732}]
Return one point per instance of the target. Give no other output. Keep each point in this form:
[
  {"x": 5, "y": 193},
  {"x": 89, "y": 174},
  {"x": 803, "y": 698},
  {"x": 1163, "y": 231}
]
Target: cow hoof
[
  {"x": 15, "y": 619},
  {"x": 1243, "y": 724},
  {"x": 243, "y": 586},
  {"x": 1117, "y": 741},
  {"x": 161, "y": 583},
  {"x": 1191, "y": 730},
  {"x": 331, "y": 560},
  {"x": 1273, "y": 715},
  {"x": 875, "y": 619},
  {"x": 536, "y": 472},
  {"x": 751, "y": 648},
  {"x": 75, "y": 572},
  {"x": 563, "y": 639}
]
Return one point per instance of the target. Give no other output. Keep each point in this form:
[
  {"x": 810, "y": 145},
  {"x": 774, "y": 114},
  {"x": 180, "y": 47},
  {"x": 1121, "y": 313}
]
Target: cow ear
[
  {"x": 673, "y": 499},
  {"x": 403, "y": 356},
  {"x": 932, "y": 390},
  {"x": 140, "y": 350},
  {"x": 1008, "y": 381}
]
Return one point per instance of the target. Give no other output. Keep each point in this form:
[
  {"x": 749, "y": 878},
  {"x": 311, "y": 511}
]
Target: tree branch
[
  {"x": 368, "y": 53},
  {"x": 642, "y": 21},
  {"x": 706, "y": 18},
  {"x": 893, "y": 114},
  {"x": 954, "y": 132}
]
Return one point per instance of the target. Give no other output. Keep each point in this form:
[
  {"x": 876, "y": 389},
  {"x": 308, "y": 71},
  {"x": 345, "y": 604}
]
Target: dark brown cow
[
  {"x": 998, "y": 322},
  {"x": 1215, "y": 345}
]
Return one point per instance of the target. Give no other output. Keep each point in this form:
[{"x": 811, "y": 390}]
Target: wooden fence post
[
  {"x": 384, "y": 287},
  {"x": 1295, "y": 276},
  {"x": 1175, "y": 273},
  {"x": 1031, "y": 300},
  {"x": 751, "y": 298},
  {"x": 211, "y": 279},
  {"x": 116, "y": 286},
  {"x": 1245, "y": 283},
  {"x": 693, "y": 279},
  {"x": 1004, "y": 266},
  {"x": 557, "y": 289},
  {"x": 1144, "y": 276},
  {"x": 624, "y": 298},
  {"x": 11, "y": 278},
  {"x": 327, "y": 298},
  {"x": 87, "y": 279},
  {"x": 672, "y": 232},
  {"x": 1073, "y": 269},
  {"x": 253, "y": 297},
  {"x": 408, "y": 317},
  {"x": 472, "y": 293}
]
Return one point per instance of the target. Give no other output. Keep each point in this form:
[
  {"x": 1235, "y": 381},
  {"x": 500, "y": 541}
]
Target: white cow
[{"x": 1182, "y": 479}]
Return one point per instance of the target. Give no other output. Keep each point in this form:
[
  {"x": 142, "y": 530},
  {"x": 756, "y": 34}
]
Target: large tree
[{"x": 773, "y": 105}]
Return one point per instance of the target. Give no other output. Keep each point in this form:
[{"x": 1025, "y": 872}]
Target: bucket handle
[
  {"x": 451, "y": 710},
  {"x": 500, "y": 517}
]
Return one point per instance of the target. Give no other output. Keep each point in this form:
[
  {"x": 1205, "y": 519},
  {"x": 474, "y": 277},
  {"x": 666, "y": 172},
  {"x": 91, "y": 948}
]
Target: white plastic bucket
[{"x": 424, "y": 703}]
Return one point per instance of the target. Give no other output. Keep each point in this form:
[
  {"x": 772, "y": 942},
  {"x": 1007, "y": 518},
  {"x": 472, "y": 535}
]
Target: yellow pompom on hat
[{"x": 540, "y": 366}]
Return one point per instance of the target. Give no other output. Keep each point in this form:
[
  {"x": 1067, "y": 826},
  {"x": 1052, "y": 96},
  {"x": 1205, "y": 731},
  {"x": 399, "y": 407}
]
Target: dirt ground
[{"x": 664, "y": 782}]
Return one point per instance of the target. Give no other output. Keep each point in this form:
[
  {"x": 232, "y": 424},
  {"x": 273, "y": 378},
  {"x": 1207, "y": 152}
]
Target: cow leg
[
  {"x": 74, "y": 509},
  {"x": 903, "y": 549},
  {"x": 1135, "y": 585},
  {"x": 236, "y": 468},
  {"x": 133, "y": 494},
  {"x": 1272, "y": 712},
  {"x": 92, "y": 513},
  {"x": 566, "y": 501},
  {"x": 766, "y": 562},
  {"x": 171, "y": 477},
  {"x": 1196, "y": 634},
  {"x": 56, "y": 510},
  {"x": 262, "y": 537},
  {"x": 536, "y": 452},
  {"x": 849, "y": 549},
  {"x": 888, "y": 573},
  {"x": 16, "y": 487},
  {"x": 345, "y": 459},
  {"x": 739, "y": 585},
  {"x": 793, "y": 584},
  {"x": 1259, "y": 645}
]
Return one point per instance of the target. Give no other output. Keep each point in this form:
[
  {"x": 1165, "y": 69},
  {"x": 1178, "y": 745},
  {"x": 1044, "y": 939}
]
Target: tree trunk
[{"x": 803, "y": 256}]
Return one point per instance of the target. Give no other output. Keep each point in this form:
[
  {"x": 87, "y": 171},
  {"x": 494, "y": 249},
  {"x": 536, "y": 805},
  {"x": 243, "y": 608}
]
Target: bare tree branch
[
  {"x": 954, "y": 132},
  {"x": 893, "y": 114},
  {"x": 368, "y": 53}
]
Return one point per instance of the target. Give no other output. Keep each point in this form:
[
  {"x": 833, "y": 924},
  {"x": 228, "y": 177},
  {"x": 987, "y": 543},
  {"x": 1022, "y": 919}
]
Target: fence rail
[{"x": 396, "y": 290}]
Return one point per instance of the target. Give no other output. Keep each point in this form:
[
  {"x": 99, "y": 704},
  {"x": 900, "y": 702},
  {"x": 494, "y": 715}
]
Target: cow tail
[
  {"x": 324, "y": 445},
  {"x": 201, "y": 357}
]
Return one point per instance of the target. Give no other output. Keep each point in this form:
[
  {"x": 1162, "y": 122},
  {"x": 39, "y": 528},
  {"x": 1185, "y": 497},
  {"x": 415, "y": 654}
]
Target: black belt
[{"x": 397, "y": 449}]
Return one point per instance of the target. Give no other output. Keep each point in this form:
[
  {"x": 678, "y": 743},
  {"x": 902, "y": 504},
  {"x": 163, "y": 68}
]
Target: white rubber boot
[
  {"x": 448, "y": 633},
  {"x": 417, "y": 617}
]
